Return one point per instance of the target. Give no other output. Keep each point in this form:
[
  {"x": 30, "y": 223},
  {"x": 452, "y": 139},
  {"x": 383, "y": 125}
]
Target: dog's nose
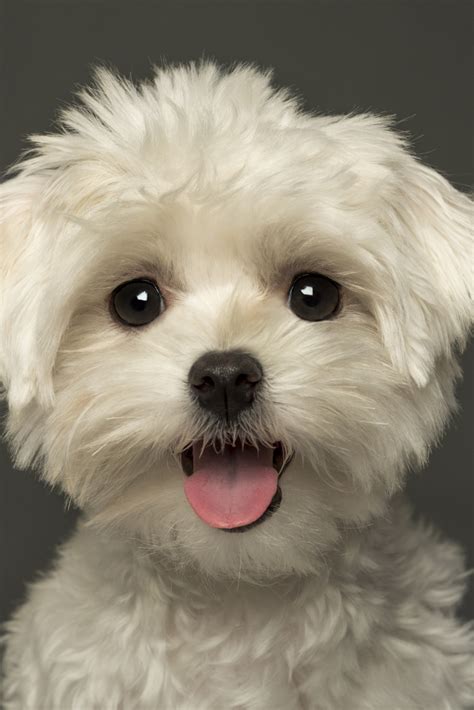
[{"x": 225, "y": 382}]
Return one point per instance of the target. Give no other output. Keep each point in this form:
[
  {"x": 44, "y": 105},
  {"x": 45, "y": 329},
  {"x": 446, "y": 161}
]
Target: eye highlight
[
  {"x": 313, "y": 297},
  {"x": 137, "y": 302}
]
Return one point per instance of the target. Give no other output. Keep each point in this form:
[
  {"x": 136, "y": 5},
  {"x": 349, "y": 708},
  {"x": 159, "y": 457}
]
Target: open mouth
[{"x": 236, "y": 488}]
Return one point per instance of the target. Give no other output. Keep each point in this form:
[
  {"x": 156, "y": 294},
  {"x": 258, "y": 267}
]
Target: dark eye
[
  {"x": 137, "y": 302},
  {"x": 313, "y": 297}
]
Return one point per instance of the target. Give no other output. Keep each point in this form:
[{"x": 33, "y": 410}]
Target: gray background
[{"x": 409, "y": 58}]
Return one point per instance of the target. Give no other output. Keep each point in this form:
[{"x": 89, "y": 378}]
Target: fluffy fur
[{"x": 221, "y": 189}]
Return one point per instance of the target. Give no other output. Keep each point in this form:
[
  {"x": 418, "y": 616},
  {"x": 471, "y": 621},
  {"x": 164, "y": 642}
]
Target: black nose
[{"x": 226, "y": 382}]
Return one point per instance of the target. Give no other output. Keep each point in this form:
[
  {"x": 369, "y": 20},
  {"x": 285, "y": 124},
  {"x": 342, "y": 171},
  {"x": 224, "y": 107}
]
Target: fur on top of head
[{"x": 221, "y": 189}]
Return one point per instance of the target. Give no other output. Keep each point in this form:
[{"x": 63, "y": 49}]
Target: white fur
[{"x": 220, "y": 188}]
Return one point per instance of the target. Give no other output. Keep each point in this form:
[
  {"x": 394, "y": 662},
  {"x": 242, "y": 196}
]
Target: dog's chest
[{"x": 259, "y": 647}]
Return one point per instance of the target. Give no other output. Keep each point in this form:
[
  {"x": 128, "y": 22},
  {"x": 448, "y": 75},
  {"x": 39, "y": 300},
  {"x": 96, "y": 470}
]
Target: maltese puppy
[{"x": 228, "y": 329}]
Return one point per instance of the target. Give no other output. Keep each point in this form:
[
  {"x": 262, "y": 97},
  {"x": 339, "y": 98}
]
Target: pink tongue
[{"x": 233, "y": 488}]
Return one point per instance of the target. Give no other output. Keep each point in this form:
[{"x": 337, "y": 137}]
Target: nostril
[
  {"x": 204, "y": 384},
  {"x": 249, "y": 380}
]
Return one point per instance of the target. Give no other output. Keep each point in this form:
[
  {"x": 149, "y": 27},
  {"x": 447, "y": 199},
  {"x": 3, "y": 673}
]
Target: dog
[{"x": 229, "y": 330}]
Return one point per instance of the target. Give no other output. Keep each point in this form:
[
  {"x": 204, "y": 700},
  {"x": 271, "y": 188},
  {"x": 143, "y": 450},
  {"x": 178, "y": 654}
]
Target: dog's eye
[
  {"x": 313, "y": 297},
  {"x": 137, "y": 302}
]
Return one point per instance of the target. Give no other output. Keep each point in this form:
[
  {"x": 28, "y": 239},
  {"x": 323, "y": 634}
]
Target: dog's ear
[
  {"x": 431, "y": 226},
  {"x": 423, "y": 303},
  {"x": 26, "y": 347}
]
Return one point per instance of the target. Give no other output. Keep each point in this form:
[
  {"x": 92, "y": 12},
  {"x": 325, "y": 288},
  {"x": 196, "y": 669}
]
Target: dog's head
[{"x": 220, "y": 315}]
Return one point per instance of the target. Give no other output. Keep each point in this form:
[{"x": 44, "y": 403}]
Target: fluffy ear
[
  {"x": 423, "y": 304},
  {"x": 26, "y": 358},
  {"x": 431, "y": 225}
]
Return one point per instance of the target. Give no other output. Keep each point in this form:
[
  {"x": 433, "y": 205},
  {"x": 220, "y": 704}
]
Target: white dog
[{"x": 221, "y": 315}]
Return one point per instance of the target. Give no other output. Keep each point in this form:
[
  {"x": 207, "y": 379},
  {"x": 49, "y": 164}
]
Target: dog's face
[{"x": 227, "y": 327}]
